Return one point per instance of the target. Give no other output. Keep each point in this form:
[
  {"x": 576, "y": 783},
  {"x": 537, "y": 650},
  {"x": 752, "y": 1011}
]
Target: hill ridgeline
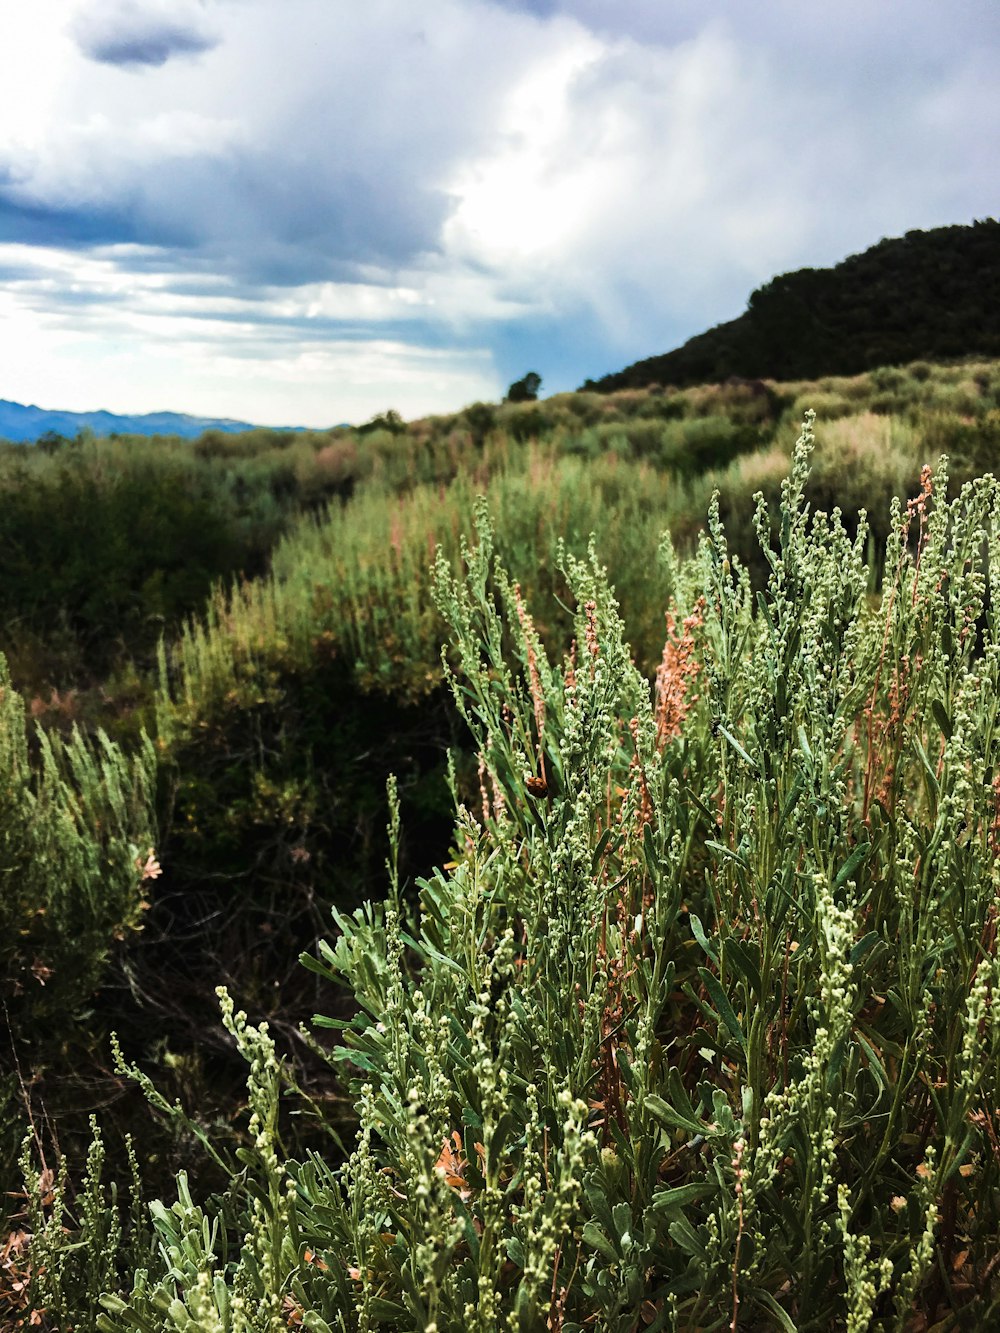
[
  {"x": 928, "y": 295},
  {"x": 20, "y": 423}
]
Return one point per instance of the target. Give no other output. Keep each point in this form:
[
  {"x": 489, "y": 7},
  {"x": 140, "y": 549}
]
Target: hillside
[
  {"x": 20, "y": 423},
  {"x": 928, "y": 295}
]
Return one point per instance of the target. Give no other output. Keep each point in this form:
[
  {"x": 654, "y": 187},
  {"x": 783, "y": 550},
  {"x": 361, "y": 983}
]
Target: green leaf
[
  {"x": 600, "y": 849},
  {"x": 383, "y": 1310},
  {"x": 739, "y": 957},
  {"x": 649, "y": 852},
  {"x": 698, "y": 931},
  {"x": 667, "y": 1115},
  {"x": 874, "y": 1063},
  {"x": 598, "y": 1200},
  {"x": 729, "y": 854},
  {"x": 723, "y": 1007},
  {"x": 851, "y": 864},
  {"x": 942, "y": 718},
  {"x": 752, "y": 763},
  {"x": 497, "y": 1144},
  {"x": 692, "y": 796},
  {"x": 791, "y": 800},
  {"x": 315, "y": 1323},
  {"x": 688, "y": 1239},
  {"x": 678, "y": 1093},
  {"x": 664, "y": 1200},
  {"x": 595, "y": 1237},
  {"x": 864, "y": 946},
  {"x": 932, "y": 777},
  {"x": 765, "y": 1299},
  {"x": 427, "y": 950}
]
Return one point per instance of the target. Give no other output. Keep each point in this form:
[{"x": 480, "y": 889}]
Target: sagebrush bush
[
  {"x": 77, "y": 833},
  {"x": 698, "y": 1028},
  {"x": 285, "y": 708}
]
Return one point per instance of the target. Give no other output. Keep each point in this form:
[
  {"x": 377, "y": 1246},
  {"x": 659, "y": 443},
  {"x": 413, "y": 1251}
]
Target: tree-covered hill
[{"x": 928, "y": 295}]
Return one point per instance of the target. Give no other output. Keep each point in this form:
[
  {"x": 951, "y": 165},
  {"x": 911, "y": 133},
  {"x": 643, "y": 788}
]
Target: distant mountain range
[
  {"x": 928, "y": 295},
  {"x": 19, "y": 423}
]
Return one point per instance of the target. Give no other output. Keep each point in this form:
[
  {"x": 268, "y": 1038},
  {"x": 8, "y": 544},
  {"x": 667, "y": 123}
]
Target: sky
[{"x": 303, "y": 212}]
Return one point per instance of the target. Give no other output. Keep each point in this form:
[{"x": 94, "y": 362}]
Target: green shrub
[
  {"x": 283, "y": 711},
  {"x": 827, "y": 406},
  {"x": 76, "y": 845},
  {"x": 699, "y": 1027},
  {"x": 690, "y": 448}
]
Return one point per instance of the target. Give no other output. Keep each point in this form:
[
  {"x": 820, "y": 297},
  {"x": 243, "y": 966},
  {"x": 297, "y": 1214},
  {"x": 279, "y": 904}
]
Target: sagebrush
[{"x": 698, "y": 1027}]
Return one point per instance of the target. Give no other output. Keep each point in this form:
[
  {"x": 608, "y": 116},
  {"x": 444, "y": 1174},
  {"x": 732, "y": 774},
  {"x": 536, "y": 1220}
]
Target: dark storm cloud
[
  {"x": 285, "y": 223},
  {"x": 154, "y": 47},
  {"x": 246, "y": 213},
  {"x": 134, "y": 38},
  {"x": 69, "y": 228},
  {"x": 268, "y": 221}
]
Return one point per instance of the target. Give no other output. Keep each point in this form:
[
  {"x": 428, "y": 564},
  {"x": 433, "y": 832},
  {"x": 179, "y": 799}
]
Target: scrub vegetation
[
  {"x": 930, "y": 294},
  {"x": 651, "y": 922}
]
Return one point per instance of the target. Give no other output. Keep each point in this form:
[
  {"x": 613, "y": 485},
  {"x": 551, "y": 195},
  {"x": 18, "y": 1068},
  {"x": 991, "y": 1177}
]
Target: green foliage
[
  {"x": 525, "y": 390},
  {"x": 293, "y": 694},
  {"x": 76, "y": 835},
  {"x": 389, "y": 421},
  {"x": 699, "y": 1027},
  {"x": 106, "y": 543},
  {"x": 282, "y": 713},
  {"x": 76, "y": 844},
  {"x": 206, "y": 1286},
  {"x": 110, "y": 1238},
  {"x": 287, "y": 701},
  {"x": 928, "y": 294}
]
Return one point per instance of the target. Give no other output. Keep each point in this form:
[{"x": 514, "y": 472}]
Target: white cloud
[
  {"x": 461, "y": 180},
  {"x": 71, "y": 329}
]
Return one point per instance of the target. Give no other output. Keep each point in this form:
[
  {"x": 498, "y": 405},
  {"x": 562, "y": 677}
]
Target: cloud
[
  {"x": 557, "y": 184},
  {"x": 320, "y": 146},
  {"x": 315, "y": 355},
  {"x": 642, "y": 188},
  {"x": 135, "y": 36}
]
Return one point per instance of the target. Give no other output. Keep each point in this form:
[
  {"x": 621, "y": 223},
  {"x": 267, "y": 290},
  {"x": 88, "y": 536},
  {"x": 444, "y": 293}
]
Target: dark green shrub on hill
[
  {"x": 690, "y": 448},
  {"x": 932, "y": 295}
]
